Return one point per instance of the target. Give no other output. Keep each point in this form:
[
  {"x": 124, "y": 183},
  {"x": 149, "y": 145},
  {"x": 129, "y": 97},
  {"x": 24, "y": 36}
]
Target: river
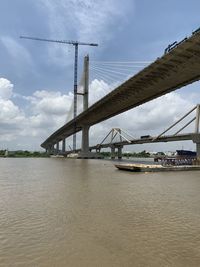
[{"x": 68, "y": 212}]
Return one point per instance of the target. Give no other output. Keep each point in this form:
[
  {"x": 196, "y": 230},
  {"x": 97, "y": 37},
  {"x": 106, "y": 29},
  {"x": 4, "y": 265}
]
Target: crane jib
[
  {"x": 58, "y": 41},
  {"x": 76, "y": 44}
]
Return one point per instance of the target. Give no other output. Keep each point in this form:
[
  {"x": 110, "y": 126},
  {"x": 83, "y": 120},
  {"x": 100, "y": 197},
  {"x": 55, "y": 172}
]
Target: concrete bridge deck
[{"x": 175, "y": 69}]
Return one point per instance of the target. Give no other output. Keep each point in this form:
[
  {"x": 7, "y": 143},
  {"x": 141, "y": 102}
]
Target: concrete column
[
  {"x": 57, "y": 147},
  {"x": 85, "y": 139},
  {"x": 196, "y": 140},
  {"x": 197, "y": 119},
  {"x": 119, "y": 152},
  {"x": 52, "y": 149},
  {"x": 112, "y": 152},
  {"x": 48, "y": 150},
  {"x": 63, "y": 145},
  {"x": 85, "y": 151},
  {"x": 198, "y": 150}
]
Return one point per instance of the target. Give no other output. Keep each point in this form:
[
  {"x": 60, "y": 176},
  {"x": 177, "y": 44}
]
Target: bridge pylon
[
  {"x": 113, "y": 135},
  {"x": 85, "y": 152}
]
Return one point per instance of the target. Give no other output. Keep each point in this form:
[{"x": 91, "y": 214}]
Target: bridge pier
[
  {"x": 196, "y": 140},
  {"x": 112, "y": 152},
  {"x": 198, "y": 149},
  {"x": 50, "y": 150},
  {"x": 119, "y": 152},
  {"x": 85, "y": 151},
  {"x": 85, "y": 139},
  {"x": 63, "y": 145},
  {"x": 57, "y": 148}
]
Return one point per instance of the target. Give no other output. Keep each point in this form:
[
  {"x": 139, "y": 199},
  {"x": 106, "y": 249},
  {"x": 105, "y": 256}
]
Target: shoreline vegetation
[
  {"x": 23, "y": 154},
  {"x": 39, "y": 154},
  {"x": 142, "y": 154}
]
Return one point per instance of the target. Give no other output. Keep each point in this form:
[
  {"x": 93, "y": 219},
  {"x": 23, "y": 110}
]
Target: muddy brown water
[{"x": 68, "y": 212}]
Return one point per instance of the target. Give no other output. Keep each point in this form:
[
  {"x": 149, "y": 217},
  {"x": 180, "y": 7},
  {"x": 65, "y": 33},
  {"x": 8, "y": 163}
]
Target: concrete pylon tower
[
  {"x": 85, "y": 153},
  {"x": 86, "y": 82}
]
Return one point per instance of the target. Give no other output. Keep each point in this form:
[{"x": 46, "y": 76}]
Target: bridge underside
[{"x": 179, "y": 67}]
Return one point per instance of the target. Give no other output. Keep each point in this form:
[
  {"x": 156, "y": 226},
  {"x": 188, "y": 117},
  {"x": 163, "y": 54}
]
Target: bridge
[
  {"x": 117, "y": 138},
  {"x": 178, "y": 67},
  {"x": 146, "y": 140},
  {"x": 117, "y": 146}
]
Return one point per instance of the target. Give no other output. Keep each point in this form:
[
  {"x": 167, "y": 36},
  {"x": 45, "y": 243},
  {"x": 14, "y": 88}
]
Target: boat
[
  {"x": 186, "y": 153},
  {"x": 135, "y": 167},
  {"x": 181, "y": 157}
]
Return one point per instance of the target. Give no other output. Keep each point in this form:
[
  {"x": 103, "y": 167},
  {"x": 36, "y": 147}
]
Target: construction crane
[{"x": 75, "y": 44}]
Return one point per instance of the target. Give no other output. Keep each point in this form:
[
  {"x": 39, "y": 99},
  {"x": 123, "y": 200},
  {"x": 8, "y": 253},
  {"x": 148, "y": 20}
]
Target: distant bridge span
[
  {"x": 146, "y": 140},
  {"x": 175, "y": 69}
]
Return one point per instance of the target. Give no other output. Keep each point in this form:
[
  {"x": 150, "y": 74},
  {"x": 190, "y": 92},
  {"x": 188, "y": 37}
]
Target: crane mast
[{"x": 75, "y": 44}]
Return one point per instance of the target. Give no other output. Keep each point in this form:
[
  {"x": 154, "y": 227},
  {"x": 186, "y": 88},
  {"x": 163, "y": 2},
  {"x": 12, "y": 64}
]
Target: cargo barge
[{"x": 155, "y": 168}]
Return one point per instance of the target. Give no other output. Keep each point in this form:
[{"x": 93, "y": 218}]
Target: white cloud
[
  {"x": 51, "y": 102},
  {"x": 98, "y": 89},
  {"x": 11, "y": 117},
  {"x": 89, "y": 19},
  {"x": 86, "y": 21},
  {"x": 6, "y": 88},
  {"x": 9, "y": 112}
]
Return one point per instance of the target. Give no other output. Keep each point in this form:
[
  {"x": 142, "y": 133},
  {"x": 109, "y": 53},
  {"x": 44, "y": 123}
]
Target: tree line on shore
[
  {"x": 39, "y": 154},
  {"x": 23, "y": 154},
  {"x": 142, "y": 154}
]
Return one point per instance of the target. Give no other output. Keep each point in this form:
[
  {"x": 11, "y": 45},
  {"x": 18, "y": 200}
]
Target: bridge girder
[{"x": 179, "y": 67}]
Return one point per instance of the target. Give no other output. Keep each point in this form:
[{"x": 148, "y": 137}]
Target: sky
[{"x": 36, "y": 78}]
